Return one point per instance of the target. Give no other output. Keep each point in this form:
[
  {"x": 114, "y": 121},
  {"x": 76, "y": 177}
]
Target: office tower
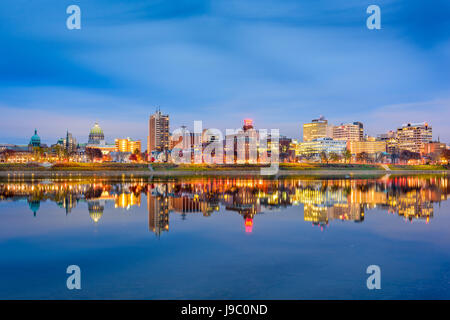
[
  {"x": 413, "y": 136},
  {"x": 128, "y": 145},
  {"x": 370, "y": 146},
  {"x": 158, "y": 133},
  {"x": 316, "y": 129},
  {"x": 317, "y": 146},
  {"x": 349, "y": 132},
  {"x": 70, "y": 143}
]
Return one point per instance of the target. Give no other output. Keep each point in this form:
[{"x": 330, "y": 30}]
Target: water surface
[{"x": 225, "y": 238}]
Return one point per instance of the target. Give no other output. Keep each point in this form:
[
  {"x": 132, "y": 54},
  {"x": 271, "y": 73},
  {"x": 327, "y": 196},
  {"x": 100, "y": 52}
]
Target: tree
[
  {"x": 324, "y": 157},
  {"x": 347, "y": 155},
  {"x": 94, "y": 153},
  {"x": 362, "y": 157},
  {"x": 133, "y": 157},
  {"x": 406, "y": 155},
  {"x": 335, "y": 157},
  {"x": 38, "y": 153},
  {"x": 6, "y": 154},
  {"x": 394, "y": 157},
  {"x": 445, "y": 155}
]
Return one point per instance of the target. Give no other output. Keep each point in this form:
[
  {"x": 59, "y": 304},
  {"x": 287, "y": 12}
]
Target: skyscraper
[
  {"x": 349, "y": 132},
  {"x": 158, "y": 133},
  {"x": 316, "y": 129},
  {"x": 70, "y": 143},
  {"x": 413, "y": 136}
]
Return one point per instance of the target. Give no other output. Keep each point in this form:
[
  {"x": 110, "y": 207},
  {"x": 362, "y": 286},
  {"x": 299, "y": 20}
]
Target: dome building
[
  {"x": 96, "y": 135},
  {"x": 95, "y": 210},
  {"x": 35, "y": 140}
]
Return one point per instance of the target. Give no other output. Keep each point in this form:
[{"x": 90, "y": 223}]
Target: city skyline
[
  {"x": 108, "y": 138},
  {"x": 242, "y": 60}
]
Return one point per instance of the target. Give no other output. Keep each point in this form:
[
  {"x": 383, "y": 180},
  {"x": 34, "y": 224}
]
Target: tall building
[
  {"x": 413, "y": 136},
  {"x": 70, "y": 143},
  {"x": 316, "y": 129},
  {"x": 349, "y": 132},
  {"x": 128, "y": 145},
  {"x": 158, "y": 133},
  {"x": 96, "y": 135}
]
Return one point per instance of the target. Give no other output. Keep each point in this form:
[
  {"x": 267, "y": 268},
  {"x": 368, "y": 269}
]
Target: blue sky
[{"x": 280, "y": 62}]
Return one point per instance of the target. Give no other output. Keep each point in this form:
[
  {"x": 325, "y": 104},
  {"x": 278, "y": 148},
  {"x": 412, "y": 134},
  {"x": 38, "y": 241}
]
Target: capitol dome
[
  {"x": 95, "y": 210},
  {"x": 35, "y": 140},
  {"x": 96, "y": 135}
]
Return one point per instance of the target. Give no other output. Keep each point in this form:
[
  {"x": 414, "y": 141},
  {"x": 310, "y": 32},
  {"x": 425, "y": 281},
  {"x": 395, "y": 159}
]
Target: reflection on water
[{"x": 322, "y": 200}]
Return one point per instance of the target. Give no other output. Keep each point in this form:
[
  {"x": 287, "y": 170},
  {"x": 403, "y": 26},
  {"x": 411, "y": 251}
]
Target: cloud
[
  {"x": 390, "y": 117},
  {"x": 281, "y": 63}
]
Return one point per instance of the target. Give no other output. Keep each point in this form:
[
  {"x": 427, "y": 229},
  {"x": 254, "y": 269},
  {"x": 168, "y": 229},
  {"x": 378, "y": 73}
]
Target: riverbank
[
  {"x": 167, "y": 170},
  {"x": 230, "y": 173}
]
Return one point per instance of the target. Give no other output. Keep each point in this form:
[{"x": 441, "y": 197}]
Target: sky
[{"x": 278, "y": 62}]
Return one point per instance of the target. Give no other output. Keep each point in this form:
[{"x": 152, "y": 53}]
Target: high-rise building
[
  {"x": 413, "y": 136},
  {"x": 70, "y": 143},
  {"x": 158, "y": 133},
  {"x": 316, "y": 129},
  {"x": 349, "y": 132},
  {"x": 128, "y": 145}
]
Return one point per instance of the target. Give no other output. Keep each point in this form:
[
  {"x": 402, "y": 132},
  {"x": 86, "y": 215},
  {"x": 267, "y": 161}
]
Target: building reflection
[{"x": 322, "y": 201}]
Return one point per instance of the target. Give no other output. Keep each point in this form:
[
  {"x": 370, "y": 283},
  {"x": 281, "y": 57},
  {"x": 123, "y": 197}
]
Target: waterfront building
[
  {"x": 96, "y": 135},
  {"x": 349, "y": 132},
  {"x": 97, "y": 140},
  {"x": 435, "y": 147},
  {"x": 370, "y": 146},
  {"x": 317, "y": 146},
  {"x": 35, "y": 140},
  {"x": 316, "y": 129},
  {"x": 242, "y": 146},
  {"x": 70, "y": 143},
  {"x": 413, "y": 136},
  {"x": 158, "y": 133},
  {"x": 127, "y": 145}
]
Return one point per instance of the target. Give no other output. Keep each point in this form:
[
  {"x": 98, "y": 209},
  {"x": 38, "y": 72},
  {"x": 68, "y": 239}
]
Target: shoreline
[{"x": 168, "y": 173}]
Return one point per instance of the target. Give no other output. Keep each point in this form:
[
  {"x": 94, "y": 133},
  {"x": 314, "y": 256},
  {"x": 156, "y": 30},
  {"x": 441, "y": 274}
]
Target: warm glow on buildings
[
  {"x": 370, "y": 146},
  {"x": 413, "y": 136},
  {"x": 349, "y": 132},
  {"x": 128, "y": 145},
  {"x": 316, "y": 129}
]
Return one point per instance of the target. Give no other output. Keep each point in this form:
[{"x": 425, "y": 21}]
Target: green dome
[
  {"x": 96, "y": 135},
  {"x": 96, "y": 129},
  {"x": 35, "y": 140},
  {"x": 34, "y": 206}
]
